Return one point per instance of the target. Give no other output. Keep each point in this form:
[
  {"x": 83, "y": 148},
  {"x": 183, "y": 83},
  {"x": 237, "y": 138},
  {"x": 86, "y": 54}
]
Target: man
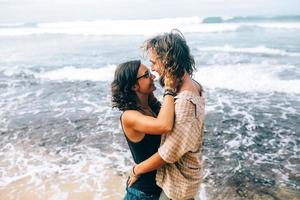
[{"x": 178, "y": 159}]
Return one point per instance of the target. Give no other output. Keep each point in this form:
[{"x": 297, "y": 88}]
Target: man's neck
[{"x": 187, "y": 83}]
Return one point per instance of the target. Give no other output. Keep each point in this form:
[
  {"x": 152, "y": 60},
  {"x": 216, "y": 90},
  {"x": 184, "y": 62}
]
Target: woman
[{"x": 143, "y": 119}]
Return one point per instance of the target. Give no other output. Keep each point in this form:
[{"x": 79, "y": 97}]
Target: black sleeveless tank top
[{"x": 141, "y": 151}]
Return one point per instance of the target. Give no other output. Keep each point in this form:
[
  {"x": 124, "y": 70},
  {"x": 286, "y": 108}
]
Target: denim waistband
[{"x": 141, "y": 194}]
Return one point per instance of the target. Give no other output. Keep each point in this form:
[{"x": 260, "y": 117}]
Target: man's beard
[{"x": 161, "y": 81}]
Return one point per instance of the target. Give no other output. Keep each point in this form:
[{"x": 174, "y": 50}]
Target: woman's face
[{"x": 145, "y": 79}]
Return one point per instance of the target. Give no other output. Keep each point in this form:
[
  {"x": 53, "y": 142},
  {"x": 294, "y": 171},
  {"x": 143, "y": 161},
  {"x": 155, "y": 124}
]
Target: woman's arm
[{"x": 135, "y": 120}]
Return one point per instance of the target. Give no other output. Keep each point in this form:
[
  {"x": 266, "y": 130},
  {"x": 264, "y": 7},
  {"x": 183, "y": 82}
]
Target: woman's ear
[{"x": 135, "y": 87}]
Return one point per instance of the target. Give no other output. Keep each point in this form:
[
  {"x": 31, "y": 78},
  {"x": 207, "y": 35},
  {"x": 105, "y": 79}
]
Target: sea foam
[
  {"x": 247, "y": 78},
  {"x": 136, "y": 27},
  {"x": 79, "y": 74},
  {"x": 251, "y": 50},
  {"x": 241, "y": 77}
]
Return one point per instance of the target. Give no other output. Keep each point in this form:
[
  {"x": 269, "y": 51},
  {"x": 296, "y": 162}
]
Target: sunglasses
[{"x": 146, "y": 75}]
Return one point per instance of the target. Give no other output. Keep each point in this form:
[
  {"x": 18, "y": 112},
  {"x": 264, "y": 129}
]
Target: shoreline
[{"x": 57, "y": 187}]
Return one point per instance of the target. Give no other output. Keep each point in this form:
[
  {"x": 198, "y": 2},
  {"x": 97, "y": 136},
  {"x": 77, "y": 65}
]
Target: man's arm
[{"x": 152, "y": 163}]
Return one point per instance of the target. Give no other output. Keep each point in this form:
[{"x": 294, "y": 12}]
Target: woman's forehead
[{"x": 143, "y": 68}]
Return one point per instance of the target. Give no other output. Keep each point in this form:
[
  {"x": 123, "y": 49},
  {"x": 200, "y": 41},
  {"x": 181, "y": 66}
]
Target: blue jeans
[{"x": 134, "y": 194}]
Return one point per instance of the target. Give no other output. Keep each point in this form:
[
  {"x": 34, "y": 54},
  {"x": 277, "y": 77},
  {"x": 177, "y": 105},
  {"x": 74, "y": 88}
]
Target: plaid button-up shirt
[{"x": 180, "y": 177}]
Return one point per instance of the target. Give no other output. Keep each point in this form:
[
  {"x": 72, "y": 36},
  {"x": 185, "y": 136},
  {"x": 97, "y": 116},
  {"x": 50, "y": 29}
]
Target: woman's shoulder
[{"x": 129, "y": 116}]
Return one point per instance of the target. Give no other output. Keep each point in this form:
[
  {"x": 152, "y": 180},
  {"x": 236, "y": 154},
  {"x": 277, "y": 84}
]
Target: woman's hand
[{"x": 170, "y": 81}]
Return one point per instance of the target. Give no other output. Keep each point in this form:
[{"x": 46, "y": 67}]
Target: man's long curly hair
[
  {"x": 174, "y": 53},
  {"x": 123, "y": 96}
]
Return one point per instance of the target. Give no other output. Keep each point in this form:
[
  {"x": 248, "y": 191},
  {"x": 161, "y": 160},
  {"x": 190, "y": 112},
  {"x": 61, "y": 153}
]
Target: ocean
[{"x": 61, "y": 140}]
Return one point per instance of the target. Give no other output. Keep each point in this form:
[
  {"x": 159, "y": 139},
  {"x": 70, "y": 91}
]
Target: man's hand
[
  {"x": 132, "y": 177},
  {"x": 131, "y": 180}
]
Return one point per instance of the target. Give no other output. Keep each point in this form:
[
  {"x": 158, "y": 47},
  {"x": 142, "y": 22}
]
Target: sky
[{"x": 20, "y": 11}]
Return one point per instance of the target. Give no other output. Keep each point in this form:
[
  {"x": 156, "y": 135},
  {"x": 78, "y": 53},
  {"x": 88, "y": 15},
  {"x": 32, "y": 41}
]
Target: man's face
[{"x": 156, "y": 64}]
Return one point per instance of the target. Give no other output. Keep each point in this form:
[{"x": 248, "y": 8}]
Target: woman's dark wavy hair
[
  {"x": 173, "y": 51},
  {"x": 123, "y": 97}
]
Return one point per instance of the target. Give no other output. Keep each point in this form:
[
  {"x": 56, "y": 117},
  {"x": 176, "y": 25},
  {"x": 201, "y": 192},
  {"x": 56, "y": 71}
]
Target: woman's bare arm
[{"x": 163, "y": 123}]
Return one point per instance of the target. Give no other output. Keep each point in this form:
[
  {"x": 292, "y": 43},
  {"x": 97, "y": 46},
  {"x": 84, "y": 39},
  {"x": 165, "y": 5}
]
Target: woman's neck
[
  {"x": 144, "y": 105},
  {"x": 143, "y": 101}
]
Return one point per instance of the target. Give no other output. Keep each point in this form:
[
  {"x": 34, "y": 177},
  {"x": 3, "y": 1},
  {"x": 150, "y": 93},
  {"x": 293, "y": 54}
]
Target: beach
[{"x": 60, "y": 139}]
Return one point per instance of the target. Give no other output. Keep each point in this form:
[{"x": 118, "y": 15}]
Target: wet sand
[{"x": 55, "y": 188}]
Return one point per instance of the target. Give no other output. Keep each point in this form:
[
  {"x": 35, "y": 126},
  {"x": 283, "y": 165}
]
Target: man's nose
[
  {"x": 153, "y": 68},
  {"x": 152, "y": 76}
]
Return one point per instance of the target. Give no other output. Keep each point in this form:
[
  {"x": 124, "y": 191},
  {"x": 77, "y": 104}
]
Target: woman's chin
[{"x": 153, "y": 88}]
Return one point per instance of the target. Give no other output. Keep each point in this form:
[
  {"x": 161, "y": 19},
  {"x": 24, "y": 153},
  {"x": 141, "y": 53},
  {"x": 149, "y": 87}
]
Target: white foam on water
[
  {"x": 261, "y": 77},
  {"x": 247, "y": 78},
  {"x": 202, "y": 193},
  {"x": 18, "y": 69},
  {"x": 68, "y": 73},
  {"x": 283, "y": 177},
  {"x": 234, "y": 143},
  {"x": 137, "y": 27},
  {"x": 277, "y": 25},
  {"x": 87, "y": 169},
  {"x": 252, "y": 50},
  {"x": 79, "y": 74}
]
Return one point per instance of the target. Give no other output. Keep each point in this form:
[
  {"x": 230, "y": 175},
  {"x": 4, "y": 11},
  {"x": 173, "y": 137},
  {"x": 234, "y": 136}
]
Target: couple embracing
[{"x": 166, "y": 138}]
